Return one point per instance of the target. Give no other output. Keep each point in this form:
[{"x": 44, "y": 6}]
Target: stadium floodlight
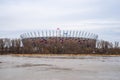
[
  {"x": 31, "y": 34},
  {"x": 46, "y": 34},
  {"x": 21, "y": 36},
  {"x": 85, "y": 35},
  {"x": 35, "y": 34},
  {"x": 70, "y": 33},
  {"x": 76, "y": 33},
  {"x": 82, "y": 35},
  {"x": 38, "y": 34},
  {"x": 42, "y": 33},
  {"x": 53, "y": 33},
  {"x": 88, "y": 35},
  {"x": 28, "y": 35},
  {"x": 73, "y": 33},
  {"x": 49, "y": 33},
  {"x": 79, "y": 34}
]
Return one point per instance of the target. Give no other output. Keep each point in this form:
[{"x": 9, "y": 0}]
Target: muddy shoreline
[{"x": 64, "y": 55}]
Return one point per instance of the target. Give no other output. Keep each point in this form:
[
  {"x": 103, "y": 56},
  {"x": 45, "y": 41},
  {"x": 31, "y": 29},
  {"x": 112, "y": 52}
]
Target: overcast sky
[{"x": 101, "y": 17}]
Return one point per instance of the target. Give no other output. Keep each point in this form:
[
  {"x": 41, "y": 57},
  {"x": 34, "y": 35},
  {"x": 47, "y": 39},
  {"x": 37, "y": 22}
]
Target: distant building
[{"x": 59, "y": 39}]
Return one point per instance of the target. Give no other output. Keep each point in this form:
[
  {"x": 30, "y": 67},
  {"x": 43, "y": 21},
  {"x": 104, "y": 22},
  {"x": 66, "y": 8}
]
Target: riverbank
[{"x": 61, "y": 55}]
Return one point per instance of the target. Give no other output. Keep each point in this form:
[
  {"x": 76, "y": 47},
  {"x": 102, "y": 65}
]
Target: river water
[{"x": 59, "y": 68}]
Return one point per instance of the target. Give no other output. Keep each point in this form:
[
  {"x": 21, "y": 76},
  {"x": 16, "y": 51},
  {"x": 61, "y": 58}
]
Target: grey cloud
[{"x": 18, "y": 15}]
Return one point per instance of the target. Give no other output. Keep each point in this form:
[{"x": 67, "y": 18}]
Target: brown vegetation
[{"x": 58, "y": 46}]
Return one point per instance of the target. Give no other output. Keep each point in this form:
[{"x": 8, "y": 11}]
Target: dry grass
[{"x": 58, "y": 55}]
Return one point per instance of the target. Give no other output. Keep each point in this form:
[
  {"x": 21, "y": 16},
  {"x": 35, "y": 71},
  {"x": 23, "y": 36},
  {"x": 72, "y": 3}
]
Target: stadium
[{"x": 59, "y": 41}]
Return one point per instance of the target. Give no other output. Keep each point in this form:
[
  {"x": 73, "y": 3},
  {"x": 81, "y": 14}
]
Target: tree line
[{"x": 58, "y": 46}]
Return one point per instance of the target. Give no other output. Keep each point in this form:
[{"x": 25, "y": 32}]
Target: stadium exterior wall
[{"x": 59, "y": 41}]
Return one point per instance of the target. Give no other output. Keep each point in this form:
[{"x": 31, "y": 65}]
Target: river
[{"x": 59, "y": 68}]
